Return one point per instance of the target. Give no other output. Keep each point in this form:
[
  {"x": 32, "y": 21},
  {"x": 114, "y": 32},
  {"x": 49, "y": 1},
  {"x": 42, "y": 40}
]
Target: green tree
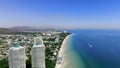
[
  {"x": 4, "y": 63},
  {"x": 28, "y": 62}
]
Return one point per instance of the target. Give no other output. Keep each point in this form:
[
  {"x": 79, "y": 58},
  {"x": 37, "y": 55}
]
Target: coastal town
[{"x": 51, "y": 39}]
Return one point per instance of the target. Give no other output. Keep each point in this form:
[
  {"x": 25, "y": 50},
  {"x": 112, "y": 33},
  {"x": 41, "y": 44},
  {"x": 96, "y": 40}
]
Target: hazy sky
[{"x": 61, "y": 13}]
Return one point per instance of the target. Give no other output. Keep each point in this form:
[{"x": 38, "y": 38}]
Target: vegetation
[
  {"x": 4, "y": 63},
  {"x": 28, "y": 62},
  {"x": 48, "y": 54}
]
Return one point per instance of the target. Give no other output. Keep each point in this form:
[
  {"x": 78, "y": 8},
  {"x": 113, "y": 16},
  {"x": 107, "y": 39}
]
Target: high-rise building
[
  {"x": 38, "y": 53},
  {"x": 17, "y": 57}
]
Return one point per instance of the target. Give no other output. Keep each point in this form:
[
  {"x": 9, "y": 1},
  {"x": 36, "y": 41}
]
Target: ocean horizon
[{"x": 93, "y": 49}]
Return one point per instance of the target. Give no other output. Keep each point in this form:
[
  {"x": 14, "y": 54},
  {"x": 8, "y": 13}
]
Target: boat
[{"x": 90, "y": 45}]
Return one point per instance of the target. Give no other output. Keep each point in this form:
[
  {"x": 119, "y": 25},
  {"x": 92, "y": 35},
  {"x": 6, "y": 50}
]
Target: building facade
[
  {"x": 38, "y": 53},
  {"x": 17, "y": 57}
]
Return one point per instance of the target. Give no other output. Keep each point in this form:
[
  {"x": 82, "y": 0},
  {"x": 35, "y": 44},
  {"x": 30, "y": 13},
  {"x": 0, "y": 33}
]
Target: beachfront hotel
[
  {"x": 38, "y": 53},
  {"x": 17, "y": 57}
]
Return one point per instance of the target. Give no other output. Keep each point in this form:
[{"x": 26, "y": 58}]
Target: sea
[{"x": 93, "y": 49}]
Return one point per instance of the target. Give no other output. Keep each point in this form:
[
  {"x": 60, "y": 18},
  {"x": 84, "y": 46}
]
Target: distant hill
[
  {"x": 5, "y": 30},
  {"x": 24, "y": 28},
  {"x": 28, "y": 28}
]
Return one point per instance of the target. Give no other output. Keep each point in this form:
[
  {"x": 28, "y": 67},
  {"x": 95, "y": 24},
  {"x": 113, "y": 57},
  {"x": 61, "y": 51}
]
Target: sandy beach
[
  {"x": 61, "y": 55},
  {"x": 68, "y": 57}
]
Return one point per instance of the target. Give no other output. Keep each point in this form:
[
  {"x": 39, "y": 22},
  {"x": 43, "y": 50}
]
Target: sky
[{"x": 75, "y": 14}]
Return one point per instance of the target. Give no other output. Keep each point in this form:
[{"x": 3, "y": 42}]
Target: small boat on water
[{"x": 90, "y": 45}]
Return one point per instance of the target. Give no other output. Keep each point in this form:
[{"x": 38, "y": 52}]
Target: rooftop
[
  {"x": 17, "y": 45},
  {"x": 38, "y": 42}
]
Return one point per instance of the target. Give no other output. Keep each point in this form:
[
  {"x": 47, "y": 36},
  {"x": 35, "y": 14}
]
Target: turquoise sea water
[
  {"x": 72, "y": 58},
  {"x": 94, "y": 49}
]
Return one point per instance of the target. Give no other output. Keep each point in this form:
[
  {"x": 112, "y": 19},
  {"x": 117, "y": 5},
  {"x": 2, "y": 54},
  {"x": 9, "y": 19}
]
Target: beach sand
[
  {"x": 61, "y": 53},
  {"x": 70, "y": 59}
]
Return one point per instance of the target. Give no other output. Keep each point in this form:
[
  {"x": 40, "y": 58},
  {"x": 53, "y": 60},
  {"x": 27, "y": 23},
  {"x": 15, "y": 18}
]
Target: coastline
[
  {"x": 60, "y": 60},
  {"x": 68, "y": 56}
]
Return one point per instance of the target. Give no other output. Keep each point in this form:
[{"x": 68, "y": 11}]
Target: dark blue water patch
[{"x": 99, "y": 50}]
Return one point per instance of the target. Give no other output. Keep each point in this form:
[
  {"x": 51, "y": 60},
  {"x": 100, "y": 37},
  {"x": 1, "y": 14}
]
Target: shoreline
[
  {"x": 60, "y": 60},
  {"x": 65, "y": 55}
]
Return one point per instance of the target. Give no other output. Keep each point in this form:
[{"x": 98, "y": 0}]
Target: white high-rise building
[
  {"x": 38, "y": 53},
  {"x": 17, "y": 57}
]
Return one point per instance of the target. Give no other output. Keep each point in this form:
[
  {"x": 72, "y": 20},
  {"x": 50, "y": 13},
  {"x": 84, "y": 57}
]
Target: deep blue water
[{"x": 98, "y": 48}]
